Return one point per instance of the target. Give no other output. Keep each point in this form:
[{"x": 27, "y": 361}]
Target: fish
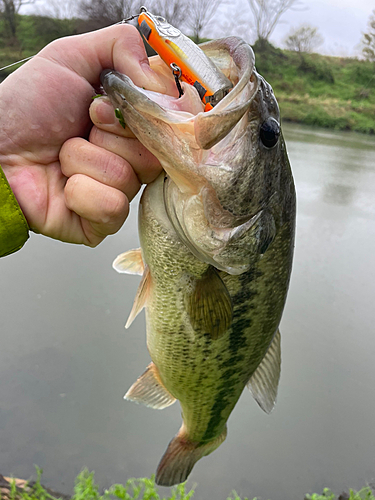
[{"x": 216, "y": 230}]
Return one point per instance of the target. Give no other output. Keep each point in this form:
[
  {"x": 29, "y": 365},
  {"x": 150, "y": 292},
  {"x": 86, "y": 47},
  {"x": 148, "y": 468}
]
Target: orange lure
[{"x": 178, "y": 50}]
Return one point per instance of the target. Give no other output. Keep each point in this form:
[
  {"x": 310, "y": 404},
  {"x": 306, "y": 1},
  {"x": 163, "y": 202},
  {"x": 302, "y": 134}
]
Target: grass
[
  {"x": 363, "y": 494},
  {"x": 86, "y": 489},
  {"x": 145, "y": 489},
  {"x": 330, "y": 92}
]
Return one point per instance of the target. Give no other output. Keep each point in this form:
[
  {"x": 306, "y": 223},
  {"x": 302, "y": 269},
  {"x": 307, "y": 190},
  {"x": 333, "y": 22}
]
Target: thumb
[{"x": 118, "y": 47}]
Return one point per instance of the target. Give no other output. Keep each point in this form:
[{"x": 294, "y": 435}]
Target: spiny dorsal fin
[
  {"x": 129, "y": 262},
  {"x": 149, "y": 390},
  {"x": 264, "y": 382},
  {"x": 209, "y": 305},
  {"x": 140, "y": 297}
]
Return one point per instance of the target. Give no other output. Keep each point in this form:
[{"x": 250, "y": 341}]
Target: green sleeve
[{"x": 14, "y": 230}]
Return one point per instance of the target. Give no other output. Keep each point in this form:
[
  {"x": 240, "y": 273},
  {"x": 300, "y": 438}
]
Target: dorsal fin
[
  {"x": 264, "y": 382},
  {"x": 129, "y": 262},
  {"x": 140, "y": 297}
]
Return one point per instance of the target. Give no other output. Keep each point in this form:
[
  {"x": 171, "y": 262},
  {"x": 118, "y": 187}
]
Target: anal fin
[
  {"x": 149, "y": 390},
  {"x": 264, "y": 382}
]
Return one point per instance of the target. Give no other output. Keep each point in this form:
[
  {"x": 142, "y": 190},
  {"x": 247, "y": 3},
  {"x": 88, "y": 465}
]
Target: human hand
[{"x": 68, "y": 188}]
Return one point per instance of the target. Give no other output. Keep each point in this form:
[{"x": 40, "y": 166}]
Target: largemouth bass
[{"x": 217, "y": 237}]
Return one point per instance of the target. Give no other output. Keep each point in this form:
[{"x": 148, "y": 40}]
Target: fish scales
[
  {"x": 217, "y": 235},
  {"x": 206, "y": 376}
]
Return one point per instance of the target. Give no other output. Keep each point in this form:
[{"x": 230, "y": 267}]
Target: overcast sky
[{"x": 340, "y": 22}]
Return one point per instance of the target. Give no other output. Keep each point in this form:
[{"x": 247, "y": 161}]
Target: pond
[{"x": 66, "y": 360}]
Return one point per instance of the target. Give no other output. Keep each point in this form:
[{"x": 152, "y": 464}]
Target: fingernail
[
  {"x": 154, "y": 82},
  {"x": 103, "y": 111}
]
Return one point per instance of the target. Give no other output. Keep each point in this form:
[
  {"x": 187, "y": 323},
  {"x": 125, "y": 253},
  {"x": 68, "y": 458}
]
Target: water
[{"x": 66, "y": 360}]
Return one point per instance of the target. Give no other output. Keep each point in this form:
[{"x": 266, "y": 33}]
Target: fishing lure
[{"x": 184, "y": 56}]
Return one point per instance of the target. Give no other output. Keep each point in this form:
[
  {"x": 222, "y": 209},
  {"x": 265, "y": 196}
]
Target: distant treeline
[
  {"x": 34, "y": 32},
  {"x": 310, "y": 88}
]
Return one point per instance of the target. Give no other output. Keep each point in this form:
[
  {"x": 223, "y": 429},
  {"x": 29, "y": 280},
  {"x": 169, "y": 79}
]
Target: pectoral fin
[
  {"x": 129, "y": 262},
  {"x": 149, "y": 390},
  {"x": 140, "y": 297},
  {"x": 265, "y": 380},
  {"x": 208, "y": 304}
]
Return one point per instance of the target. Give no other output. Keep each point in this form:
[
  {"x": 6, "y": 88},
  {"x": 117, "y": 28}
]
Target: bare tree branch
[
  {"x": 9, "y": 10},
  {"x": 201, "y": 13},
  {"x": 174, "y": 11},
  {"x": 267, "y": 14},
  {"x": 58, "y": 9},
  {"x": 101, "y": 13}
]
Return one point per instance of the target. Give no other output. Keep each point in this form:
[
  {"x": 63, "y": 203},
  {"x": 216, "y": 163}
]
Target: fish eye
[{"x": 269, "y": 132}]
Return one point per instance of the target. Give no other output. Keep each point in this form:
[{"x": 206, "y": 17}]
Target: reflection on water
[
  {"x": 338, "y": 194},
  {"x": 66, "y": 360}
]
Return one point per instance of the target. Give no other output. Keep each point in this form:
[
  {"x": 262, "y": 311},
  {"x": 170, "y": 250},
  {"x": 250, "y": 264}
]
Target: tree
[
  {"x": 101, "y": 13},
  {"x": 303, "y": 39},
  {"x": 368, "y": 40},
  {"x": 9, "y": 10},
  {"x": 173, "y": 11},
  {"x": 58, "y": 9},
  {"x": 201, "y": 13},
  {"x": 267, "y": 14}
]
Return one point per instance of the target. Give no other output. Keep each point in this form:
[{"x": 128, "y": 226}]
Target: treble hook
[{"x": 176, "y": 70}]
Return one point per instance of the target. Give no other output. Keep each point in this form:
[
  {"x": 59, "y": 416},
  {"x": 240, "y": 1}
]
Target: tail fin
[{"x": 181, "y": 456}]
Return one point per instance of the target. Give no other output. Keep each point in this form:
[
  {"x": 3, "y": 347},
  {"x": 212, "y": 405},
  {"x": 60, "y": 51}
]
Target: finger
[
  {"x": 78, "y": 156},
  {"x": 144, "y": 163},
  {"x": 102, "y": 208},
  {"x": 102, "y": 115},
  {"x": 117, "y": 47}
]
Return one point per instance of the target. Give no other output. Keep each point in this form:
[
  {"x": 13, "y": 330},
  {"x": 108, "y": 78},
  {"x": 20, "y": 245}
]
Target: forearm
[{"x": 14, "y": 230}]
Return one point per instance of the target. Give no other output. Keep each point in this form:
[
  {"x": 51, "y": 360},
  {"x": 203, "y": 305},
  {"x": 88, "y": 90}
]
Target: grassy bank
[
  {"x": 319, "y": 90},
  {"x": 141, "y": 489}
]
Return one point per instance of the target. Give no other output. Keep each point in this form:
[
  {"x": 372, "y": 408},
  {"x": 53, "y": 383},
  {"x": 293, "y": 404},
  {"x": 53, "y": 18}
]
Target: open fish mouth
[
  {"x": 122, "y": 88},
  {"x": 232, "y": 56}
]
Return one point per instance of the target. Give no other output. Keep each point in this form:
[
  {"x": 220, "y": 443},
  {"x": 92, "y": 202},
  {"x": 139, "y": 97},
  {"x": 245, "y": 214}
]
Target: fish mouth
[
  {"x": 120, "y": 88},
  {"x": 232, "y": 55}
]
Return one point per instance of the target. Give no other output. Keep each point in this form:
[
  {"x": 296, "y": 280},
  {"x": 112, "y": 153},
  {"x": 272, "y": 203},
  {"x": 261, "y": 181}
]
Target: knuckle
[
  {"x": 116, "y": 170},
  {"x": 70, "y": 189},
  {"x": 116, "y": 208},
  {"x": 96, "y": 136},
  {"x": 69, "y": 155}
]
